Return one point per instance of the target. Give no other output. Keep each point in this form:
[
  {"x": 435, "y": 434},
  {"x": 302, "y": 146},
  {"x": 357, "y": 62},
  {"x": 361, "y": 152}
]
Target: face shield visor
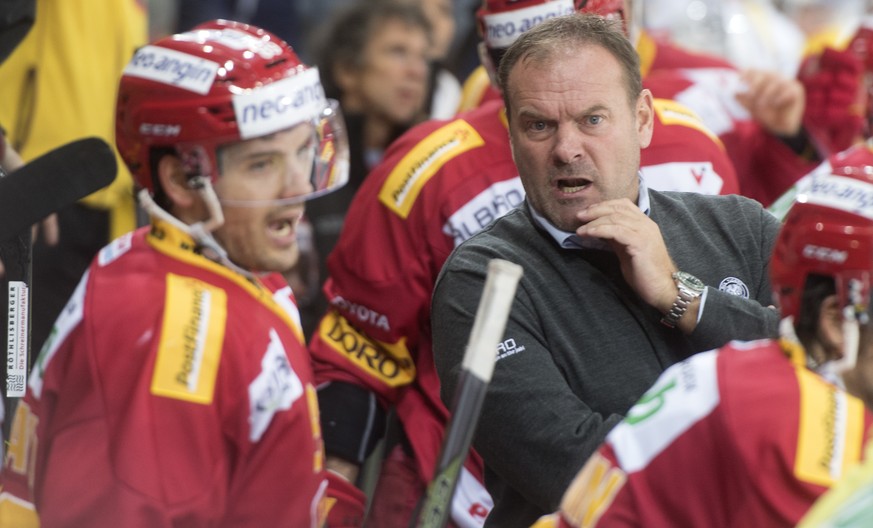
[{"x": 304, "y": 161}]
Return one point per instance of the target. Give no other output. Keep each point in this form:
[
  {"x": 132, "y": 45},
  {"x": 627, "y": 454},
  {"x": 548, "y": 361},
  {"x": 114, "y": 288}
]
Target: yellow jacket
[{"x": 60, "y": 84}]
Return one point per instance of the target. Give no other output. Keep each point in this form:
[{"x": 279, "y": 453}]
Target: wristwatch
[{"x": 690, "y": 288}]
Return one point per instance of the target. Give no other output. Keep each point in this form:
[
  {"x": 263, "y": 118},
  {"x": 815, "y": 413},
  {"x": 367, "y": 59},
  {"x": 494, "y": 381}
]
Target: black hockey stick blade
[
  {"x": 476, "y": 370},
  {"x": 52, "y": 181}
]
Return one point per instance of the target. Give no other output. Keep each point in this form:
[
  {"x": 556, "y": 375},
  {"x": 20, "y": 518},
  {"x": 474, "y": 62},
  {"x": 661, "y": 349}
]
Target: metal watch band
[{"x": 683, "y": 299}]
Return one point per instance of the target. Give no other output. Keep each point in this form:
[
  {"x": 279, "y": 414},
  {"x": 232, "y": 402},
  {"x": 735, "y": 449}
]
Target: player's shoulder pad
[
  {"x": 418, "y": 166},
  {"x": 191, "y": 341},
  {"x": 670, "y": 112}
]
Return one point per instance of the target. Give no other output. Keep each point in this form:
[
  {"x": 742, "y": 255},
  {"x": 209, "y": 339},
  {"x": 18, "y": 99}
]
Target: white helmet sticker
[
  {"x": 838, "y": 192},
  {"x": 502, "y": 29},
  {"x": 279, "y": 105},
  {"x": 174, "y": 68}
]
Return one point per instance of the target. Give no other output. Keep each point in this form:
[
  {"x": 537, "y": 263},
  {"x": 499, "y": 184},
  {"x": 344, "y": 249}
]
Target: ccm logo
[
  {"x": 824, "y": 254},
  {"x": 158, "y": 129}
]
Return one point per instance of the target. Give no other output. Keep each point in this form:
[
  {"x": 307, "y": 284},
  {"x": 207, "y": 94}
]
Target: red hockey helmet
[
  {"x": 500, "y": 22},
  {"x": 220, "y": 83},
  {"x": 602, "y": 7},
  {"x": 829, "y": 231}
]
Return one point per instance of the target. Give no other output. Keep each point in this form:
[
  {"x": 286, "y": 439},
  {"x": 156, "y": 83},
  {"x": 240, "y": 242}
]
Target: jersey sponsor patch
[
  {"x": 172, "y": 67},
  {"x": 405, "y": 182},
  {"x": 115, "y": 249},
  {"x": 683, "y": 395},
  {"x": 66, "y": 322},
  {"x": 192, "y": 337},
  {"x": 275, "y": 388},
  {"x": 363, "y": 314},
  {"x": 490, "y": 204},
  {"x": 389, "y": 363},
  {"x": 673, "y": 113},
  {"x": 831, "y": 430}
]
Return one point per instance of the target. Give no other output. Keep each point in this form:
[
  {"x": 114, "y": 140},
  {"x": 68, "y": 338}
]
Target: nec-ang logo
[
  {"x": 173, "y": 67},
  {"x": 842, "y": 193},
  {"x": 279, "y": 105},
  {"x": 502, "y": 29}
]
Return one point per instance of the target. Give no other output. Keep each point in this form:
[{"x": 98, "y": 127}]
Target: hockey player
[
  {"x": 753, "y": 433},
  {"x": 439, "y": 184},
  {"x": 175, "y": 388}
]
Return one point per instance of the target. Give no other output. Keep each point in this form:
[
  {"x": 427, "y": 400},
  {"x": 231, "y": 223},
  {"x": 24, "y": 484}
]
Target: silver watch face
[{"x": 689, "y": 281}]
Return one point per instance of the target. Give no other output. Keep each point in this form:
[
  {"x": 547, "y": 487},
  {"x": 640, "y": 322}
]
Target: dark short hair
[
  {"x": 342, "y": 41},
  {"x": 558, "y": 34}
]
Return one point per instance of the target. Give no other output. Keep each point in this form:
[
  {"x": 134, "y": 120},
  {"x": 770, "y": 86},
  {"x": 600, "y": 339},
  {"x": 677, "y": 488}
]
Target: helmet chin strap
[
  {"x": 201, "y": 232},
  {"x": 851, "y": 341}
]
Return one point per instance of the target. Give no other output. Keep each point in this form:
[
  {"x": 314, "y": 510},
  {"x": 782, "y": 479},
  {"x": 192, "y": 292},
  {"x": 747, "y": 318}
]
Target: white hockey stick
[{"x": 476, "y": 370}]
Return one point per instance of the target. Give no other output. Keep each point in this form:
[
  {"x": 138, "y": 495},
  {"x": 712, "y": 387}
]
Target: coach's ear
[{"x": 645, "y": 114}]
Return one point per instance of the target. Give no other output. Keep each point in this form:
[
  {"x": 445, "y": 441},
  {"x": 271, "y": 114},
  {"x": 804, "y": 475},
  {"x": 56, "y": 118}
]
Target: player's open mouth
[
  {"x": 282, "y": 228},
  {"x": 571, "y": 186}
]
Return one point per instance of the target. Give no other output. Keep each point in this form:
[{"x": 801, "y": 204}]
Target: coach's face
[{"x": 575, "y": 136}]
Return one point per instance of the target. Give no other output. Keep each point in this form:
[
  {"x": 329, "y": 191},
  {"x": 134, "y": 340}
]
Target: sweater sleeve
[{"x": 751, "y": 236}]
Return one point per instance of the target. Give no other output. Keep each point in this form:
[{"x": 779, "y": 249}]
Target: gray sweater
[{"x": 580, "y": 347}]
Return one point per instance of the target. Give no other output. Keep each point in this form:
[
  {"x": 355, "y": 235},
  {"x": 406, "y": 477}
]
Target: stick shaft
[{"x": 476, "y": 370}]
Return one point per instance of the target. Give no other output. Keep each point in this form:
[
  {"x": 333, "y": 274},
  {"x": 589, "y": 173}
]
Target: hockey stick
[
  {"x": 37, "y": 189},
  {"x": 53, "y": 180},
  {"x": 476, "y": 369}
]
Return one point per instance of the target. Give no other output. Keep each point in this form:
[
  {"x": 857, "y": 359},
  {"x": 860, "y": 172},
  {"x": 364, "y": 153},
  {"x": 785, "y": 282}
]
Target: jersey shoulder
[{"x": 422, "y": 155}]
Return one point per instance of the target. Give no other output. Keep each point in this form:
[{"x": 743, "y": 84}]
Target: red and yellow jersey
[
  {"x": 438, "y": 184},
  {"x": 765, "y": 165},
  {"x": 172, "y": 391},
  {"x": 736, "y": 437}
]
